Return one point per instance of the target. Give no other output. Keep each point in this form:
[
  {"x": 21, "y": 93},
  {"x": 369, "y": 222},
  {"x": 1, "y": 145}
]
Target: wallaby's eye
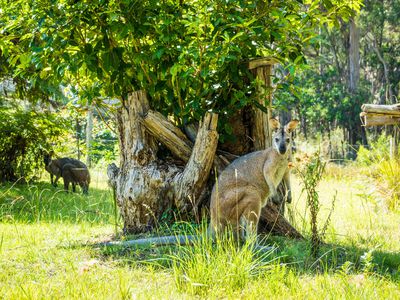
[{"x": 276, "y": 140}]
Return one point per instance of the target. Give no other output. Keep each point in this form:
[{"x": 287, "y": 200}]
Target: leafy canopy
[{"x": 190, "y": 56}]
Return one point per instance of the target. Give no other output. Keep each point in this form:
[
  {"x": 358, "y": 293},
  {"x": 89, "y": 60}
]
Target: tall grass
[
  {"x": 384, "y": 171},
  {"x": 40, "y": 202},
  {"x": 225, "y": 266}
]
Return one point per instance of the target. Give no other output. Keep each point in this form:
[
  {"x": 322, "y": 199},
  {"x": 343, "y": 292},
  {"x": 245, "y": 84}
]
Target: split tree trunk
[{"x": 145, "y": 187}]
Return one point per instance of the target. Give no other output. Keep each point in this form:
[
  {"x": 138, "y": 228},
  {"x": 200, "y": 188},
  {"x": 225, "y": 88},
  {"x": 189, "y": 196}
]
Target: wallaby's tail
[{"x": 157, "y": 241}]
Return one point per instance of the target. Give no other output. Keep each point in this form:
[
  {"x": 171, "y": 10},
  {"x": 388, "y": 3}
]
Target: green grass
[{"x": 48, "y": 251}]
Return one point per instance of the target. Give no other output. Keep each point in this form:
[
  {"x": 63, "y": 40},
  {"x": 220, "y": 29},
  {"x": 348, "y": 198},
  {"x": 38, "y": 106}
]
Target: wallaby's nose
[{"x": 282, "y": 149}]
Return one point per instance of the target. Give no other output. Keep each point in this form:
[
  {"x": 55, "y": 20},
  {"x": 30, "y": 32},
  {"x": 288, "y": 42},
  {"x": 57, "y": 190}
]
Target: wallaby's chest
[{"x": 280, "y": 170}]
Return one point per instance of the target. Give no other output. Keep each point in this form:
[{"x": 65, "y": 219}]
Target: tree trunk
[
  {"x": 145, "y": 186},
  {"x": 77, "y": 132},
  {"x": 89, "y": 136},
  {"x": 261, "y": 131},
  {"x": 354, "y": 57}
]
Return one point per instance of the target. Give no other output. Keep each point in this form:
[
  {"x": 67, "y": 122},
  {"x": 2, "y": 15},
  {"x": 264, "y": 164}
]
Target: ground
[{"x": 49, "y": 249}]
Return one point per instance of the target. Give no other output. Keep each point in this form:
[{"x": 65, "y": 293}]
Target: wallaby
[
  {"x": 242, "y": 190},
  {"x": 245, "y": 186},
  {"x": 55, "y": 167},
  {"x": 71, "y": 174}
]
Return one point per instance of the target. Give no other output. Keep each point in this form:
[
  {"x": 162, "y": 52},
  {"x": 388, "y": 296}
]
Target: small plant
[
  {"x": 310, "y": 172},
  {"x": 367, "y": 262},
  {"x": 387, "y": 180}
]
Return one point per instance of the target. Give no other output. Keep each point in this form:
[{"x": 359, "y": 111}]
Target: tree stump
[{"x": 145, "y": 186}]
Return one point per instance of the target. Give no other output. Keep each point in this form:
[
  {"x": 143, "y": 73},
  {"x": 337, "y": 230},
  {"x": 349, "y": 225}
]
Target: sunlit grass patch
[
  {"x": 220, "y": 266},
  {"x": 42, "y": 202}
]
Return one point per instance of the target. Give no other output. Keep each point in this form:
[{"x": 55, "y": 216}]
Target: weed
[{"x": 310, "y": 173}]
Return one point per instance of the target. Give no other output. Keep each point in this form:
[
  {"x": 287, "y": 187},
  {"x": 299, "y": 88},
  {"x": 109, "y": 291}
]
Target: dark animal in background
[
  {"x": 71, "y": 174},
  {"x": 76, "y": 172}
]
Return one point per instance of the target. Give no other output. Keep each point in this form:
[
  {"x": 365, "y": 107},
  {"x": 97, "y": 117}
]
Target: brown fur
[
  {"x": 72, "y": 174},
  {"x": 244, "y": 187},
  {"x": 76, "y": 172}
]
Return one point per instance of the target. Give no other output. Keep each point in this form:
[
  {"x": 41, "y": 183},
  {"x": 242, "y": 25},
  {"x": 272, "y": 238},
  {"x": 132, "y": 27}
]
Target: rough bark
[
  {"x": 261, "y": 131},
  {"x": 168, "y": 134},
  {"x": 144, "y": 186},
  {"x": 140, "y": 185},
  {"x": 174, "y": 139},
  {"x": 190, "y": 183}
]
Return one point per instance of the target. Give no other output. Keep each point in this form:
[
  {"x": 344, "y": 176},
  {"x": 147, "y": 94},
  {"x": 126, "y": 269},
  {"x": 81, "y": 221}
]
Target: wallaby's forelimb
[
  {"x": 269, "y": 171},
  {"x": 286, "y": 181}
]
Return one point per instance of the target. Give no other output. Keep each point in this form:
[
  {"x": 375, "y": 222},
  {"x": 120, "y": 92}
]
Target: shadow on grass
[
  {"x": 338, "y": 257},
  {"x": 294, "y": 254},
  {"x": 43, "y": 202}
]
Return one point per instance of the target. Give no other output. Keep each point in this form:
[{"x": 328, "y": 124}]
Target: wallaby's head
[
  {"x": 281, "y": 136},
  {"x": 46, "y": 159}
]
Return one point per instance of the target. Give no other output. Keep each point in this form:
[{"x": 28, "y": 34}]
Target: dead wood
[
  {"x": 272, "y": 221},
  {"x": 374, "y": 119},
  {"x": 381, "y": 109}
]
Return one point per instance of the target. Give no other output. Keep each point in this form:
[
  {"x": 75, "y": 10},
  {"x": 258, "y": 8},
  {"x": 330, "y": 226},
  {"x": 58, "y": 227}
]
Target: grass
[{"x": 48, "y": 251}]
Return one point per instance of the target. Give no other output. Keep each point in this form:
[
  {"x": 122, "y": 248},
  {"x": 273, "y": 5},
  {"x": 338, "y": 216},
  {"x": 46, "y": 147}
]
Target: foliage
[
  {"x": 320, "y": 93},
  {"x": 190, "y": 56},
  {"x": 24, "y": 135},
  {"x": 377, "y": 152}
]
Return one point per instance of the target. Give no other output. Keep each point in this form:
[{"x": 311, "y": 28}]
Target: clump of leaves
[{"x": 24, "y": 135}]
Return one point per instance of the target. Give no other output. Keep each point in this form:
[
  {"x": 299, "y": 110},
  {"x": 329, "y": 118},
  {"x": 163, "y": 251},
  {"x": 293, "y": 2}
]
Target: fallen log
[
  {"x": 374, "y": 119},
  {"x": 381, "y": 109}
]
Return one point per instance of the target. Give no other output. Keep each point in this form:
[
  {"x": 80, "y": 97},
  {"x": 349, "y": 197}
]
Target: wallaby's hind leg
[{"x": 250, "y": 217}]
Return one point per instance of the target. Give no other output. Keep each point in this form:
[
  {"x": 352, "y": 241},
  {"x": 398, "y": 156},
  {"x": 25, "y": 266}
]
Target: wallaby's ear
[
  {"x": 274, "y": 123},
  {"x": 289, "y": 127}
]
